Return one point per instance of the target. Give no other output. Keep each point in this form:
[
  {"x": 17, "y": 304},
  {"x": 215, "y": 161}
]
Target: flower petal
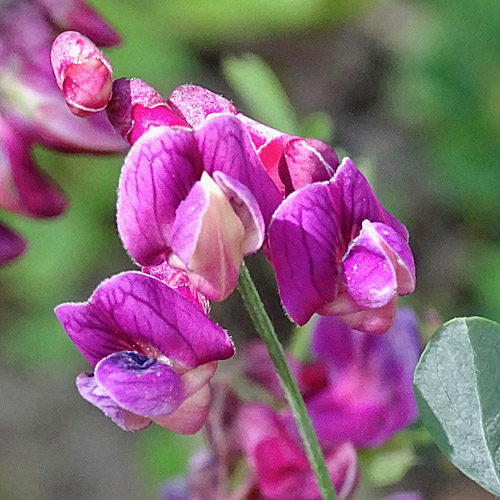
[
  {"x": 157, "y": 175},
  {"x": 91, "y": 391},
  {"x": 135, "y": 107},
  {"x": 226, "y": 147},
  {"x": 303, "y": 239},
  {"x": 305, "y": 161},
  {"x": 11, "y": 244},
  {"x": 246, "y": 207},
  {"x": 140, "y": 384},
  {"x": 191, "y": 415},
  {"x": 136, "y": 312},
  {"x": 23, "y": 188},
  {"x": 195, "y": 103},
  {"x": 355, "y": 201},
  {"x": 207, "y": 240}
]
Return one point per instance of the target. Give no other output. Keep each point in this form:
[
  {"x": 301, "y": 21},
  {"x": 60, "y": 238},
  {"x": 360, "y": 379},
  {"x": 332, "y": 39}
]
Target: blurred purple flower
[
  {"x": 11, "y": 245},
  {"x": 153, "y": 353},
  {"x": 337, "y": 251},
  {"x": 280, "y": 463},
  {"x": 369, "y": 392},
  {"x": 32, "y": 109},
  {"x": 405, "y": 495}
]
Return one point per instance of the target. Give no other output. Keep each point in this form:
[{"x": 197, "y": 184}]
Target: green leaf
[
  {"x": 457, "y": 387},
  {"x": 260, "y": 89},
  {"x": 386, "y": 467}
]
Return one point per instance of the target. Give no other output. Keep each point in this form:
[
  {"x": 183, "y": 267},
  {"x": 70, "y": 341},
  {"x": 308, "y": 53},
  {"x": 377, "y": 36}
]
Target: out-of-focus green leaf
[
  {"x": 457, "y": 386},
  {"x": 318, "y": 125},
  {"x": 301, "y": 340},
  {"x": 261, "y": 91},
  {"x": 385, "y": 467}
]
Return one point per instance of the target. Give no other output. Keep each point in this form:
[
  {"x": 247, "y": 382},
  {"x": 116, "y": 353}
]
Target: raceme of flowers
[
  {"x": 33, "y": 111},
  {"x": 202, "y": 187}
]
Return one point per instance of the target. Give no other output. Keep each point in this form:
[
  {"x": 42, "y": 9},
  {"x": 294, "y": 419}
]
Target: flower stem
[{"x": 265, "y": 329}]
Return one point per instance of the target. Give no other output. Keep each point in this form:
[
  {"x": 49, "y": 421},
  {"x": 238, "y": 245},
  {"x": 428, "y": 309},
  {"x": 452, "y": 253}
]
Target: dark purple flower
[
  {"x": 404, "y": 495},
  {"x": 198, "y": 199},
  {"x": 337, "y": 251},
  {"x": 32, "y": 109},
  {"x": 11, "y": 245},
  {"x": 280, "y": 463},
  {"x": 153, "y": 353},
  {"x": 83, "y": 73},
  {"x": 369, "y": 392}
]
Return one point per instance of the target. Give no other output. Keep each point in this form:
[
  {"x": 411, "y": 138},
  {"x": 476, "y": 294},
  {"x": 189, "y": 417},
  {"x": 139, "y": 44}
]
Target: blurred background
[{"x": 409, "y": 90}]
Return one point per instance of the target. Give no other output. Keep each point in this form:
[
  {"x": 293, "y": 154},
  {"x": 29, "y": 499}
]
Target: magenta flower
[
  {"x": 153, "y": 353},
  {"x": 11, "y": 245},
  {"x": 280, "y": 464},
  {"x": 198, "y": 199},
  {"x": 32, "y": 109},
  {"x": 368, "y": 395},
  {"x": 336, "y": 250}
]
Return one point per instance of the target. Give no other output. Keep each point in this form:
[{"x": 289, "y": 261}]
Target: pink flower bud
[{"x": 82, "y": 72}]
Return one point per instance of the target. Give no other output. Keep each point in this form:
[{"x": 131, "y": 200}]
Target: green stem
[{"x": 265, "y": 329}]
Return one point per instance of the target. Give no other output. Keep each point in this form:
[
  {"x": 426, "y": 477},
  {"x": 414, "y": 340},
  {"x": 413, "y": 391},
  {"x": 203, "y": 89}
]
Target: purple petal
[
  {"x": 176, "y": 489},
  {"x": 195, "y": 103},
  {"x": 136, "y": 107},
  {"x": 303, "y": 239},
  {"x": 11, "y": 244},
  {"x": 140, "y": 384},
  {"x": 157, "y": 175},
  {"x": 355, "y": 201},
  {"x": 226, "y": 147},
  {"x": 91, "y": 391},
  {"x": 370, "y": 394},
  {"x": 305, "y": 161},
  {"x": 342, "y": 465},
  {"x": 246, "y": 208},
  {"x": 23, "y": 188},
  {"x": 191, "y": 415},
  {"x": 207, "y": 240},
  {"x": 77, "y": 15},
  {"x": 136, "y": 312}
]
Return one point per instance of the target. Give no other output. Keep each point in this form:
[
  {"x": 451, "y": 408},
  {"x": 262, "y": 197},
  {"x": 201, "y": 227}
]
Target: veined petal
[
  {"x": 157, "y": 175},
  {"x": 91, "y": 391},
  {"x": 136, "y": 312},
  {"x": 246, "y": 208},
  {"x": 195, "y": 103},
  {"x": 303, "y": 238},
  {"x": 191, "y": 415},
  {"x": 140, "y": 384},
  {"x": 226, "y": 147},
  {"x": 355, "y": 201},
  {"x": 135, "y": 107},
  {"x": 207, "y": 240},
  {"x": 11, "y": 244},
  {"x": 305, "y": 161}
]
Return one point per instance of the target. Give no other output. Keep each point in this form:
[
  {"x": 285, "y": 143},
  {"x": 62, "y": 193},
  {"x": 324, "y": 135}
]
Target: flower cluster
[
  {"x": 202, "y": 187},
  {"x": 32, "y": 110}
]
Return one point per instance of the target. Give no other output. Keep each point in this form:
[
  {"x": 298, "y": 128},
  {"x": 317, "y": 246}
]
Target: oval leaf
[{"x": 457, "y": 388}]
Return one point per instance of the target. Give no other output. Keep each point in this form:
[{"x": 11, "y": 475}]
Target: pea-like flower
[
  {"x": 11, "y": 245},
  {"x": 337, "y": 251},
  {"x": 153, "y": 353},
  {"x": 280, "y": 463}
]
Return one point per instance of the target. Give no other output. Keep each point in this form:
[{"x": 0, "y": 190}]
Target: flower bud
[{"x": 83, "y": 73}]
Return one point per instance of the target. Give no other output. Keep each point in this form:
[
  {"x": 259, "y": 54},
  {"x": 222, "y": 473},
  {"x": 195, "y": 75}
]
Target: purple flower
[
  {"x": 11, "y": 245},
  {"x": 405, "y": 495},
  {"x": 83, "y": 73},
  {"x": 280, "y": 463},
  {"x": 153, "y": 353},
  {"x": 369, "y": 392},
  {"x": 337, "y": 251},
  {"x": 198, "y": 199},
  {"x": 32, "y": 109}
]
